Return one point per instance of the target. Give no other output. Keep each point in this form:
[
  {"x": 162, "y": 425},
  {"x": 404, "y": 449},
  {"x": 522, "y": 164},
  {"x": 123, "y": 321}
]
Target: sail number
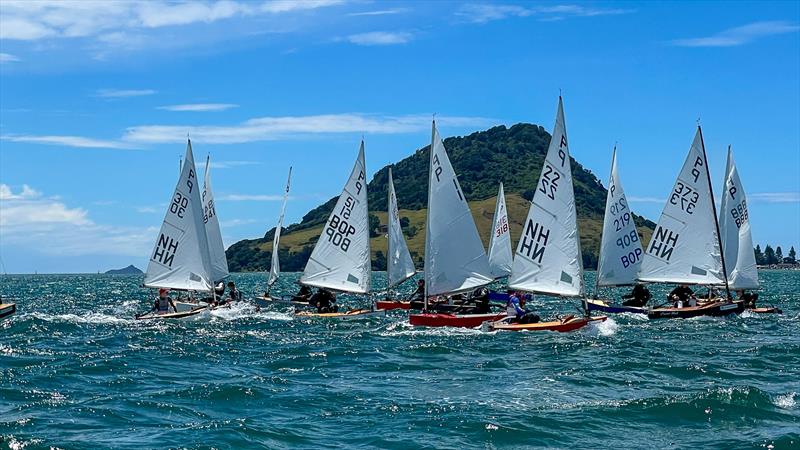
[
  {"x": 622, "y": 221},
  {"x": 179, "y": 204},
  {"x": 339, "y": 229},
  {"x": 685, "y": 197},
  {"x": 618, "y": 206},
  {"x": 549, "y": 182},
  {"x": 502, "y": 227},
  {"x": 208, "y": 208},
  {"x": 739, "y": 214}
]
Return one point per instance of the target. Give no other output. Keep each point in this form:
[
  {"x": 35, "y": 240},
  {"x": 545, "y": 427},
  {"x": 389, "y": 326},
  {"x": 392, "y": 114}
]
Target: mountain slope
[{"x": 481, "y": 160}]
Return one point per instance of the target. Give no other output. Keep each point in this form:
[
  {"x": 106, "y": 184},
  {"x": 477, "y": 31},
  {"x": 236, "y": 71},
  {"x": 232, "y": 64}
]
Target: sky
[{"x": 97, "y": 99}]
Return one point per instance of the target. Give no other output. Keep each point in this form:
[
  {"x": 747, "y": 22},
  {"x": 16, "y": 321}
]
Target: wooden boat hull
[
  {"x": 174, "y": 315},
  {"x": 388, "y": 305},
  {"x": 269, "y": 301},
  {"x": 7, "y": 309},
  {"x": 347, "y": 315},
  {"x": 715, "y": 309},
  {"x": 613, "y": 308},
  {"x": 766, "y": 310},
  {"x": 561, "y": 326},
  {"x": 453, "y": 320}
]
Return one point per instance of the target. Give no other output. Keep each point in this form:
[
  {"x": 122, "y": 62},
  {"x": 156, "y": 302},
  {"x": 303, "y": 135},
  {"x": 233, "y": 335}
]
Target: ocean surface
[{"x": 76, "y": 371}]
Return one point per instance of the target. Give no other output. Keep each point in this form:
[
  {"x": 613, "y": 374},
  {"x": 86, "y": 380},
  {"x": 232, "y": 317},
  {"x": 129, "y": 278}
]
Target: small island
[{"x": 130, "y": 270}]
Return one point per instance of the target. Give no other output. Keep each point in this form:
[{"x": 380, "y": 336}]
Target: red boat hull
[
  {"x": 453, "y": 320},
  {"x": 392, "y": 304}
]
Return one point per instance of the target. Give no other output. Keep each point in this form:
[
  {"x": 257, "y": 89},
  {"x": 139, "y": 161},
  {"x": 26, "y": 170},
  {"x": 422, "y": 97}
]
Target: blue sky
[{"x": 96, "y": 100}]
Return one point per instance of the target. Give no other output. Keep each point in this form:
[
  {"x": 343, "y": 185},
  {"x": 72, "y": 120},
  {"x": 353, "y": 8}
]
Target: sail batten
[
  {"x": 548, "y": 257},
  {"x": 400, "y": 266},
  {"x": 275, "y": 261},
  {"x": 500, "y": 254},
  {"x": 684, "y": 248},
  {"x": 620, "y": 248},
  {"x": 219, "y": 262},
  {"x": 341, "y": 257},
  {"x": 737, "y": 239},
  {"x": 455, "y": 259},
  {"x": 180, "y": 257}
]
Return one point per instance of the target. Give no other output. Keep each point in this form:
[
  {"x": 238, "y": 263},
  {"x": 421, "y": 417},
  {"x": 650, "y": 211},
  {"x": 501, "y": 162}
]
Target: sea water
[{"x": 77, "y": 371}]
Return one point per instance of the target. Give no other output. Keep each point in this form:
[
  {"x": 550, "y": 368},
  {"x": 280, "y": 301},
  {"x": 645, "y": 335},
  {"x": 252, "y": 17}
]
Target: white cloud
[
  {"x": 236, "y": 222},
  {"x": 7, "y": 58},
  {"x": 124, "y": 93},
  {"x": 69, "y": 141},
  {"x": 383, "y": 12},
  {"x": 199, "y": 107},
  {"x": 739, "y": 35},
  {"x": 380, "y": 38},
  {"x": 146, "y": 210},
  {"x": 27, "y": 193},
  {"x": 34, "y": 20},
  {"x": 232, "y": 164},
  {"x": 251, "y": 198},
  {"x": 775, "y": 197},
  {"x": 487, "y": 12}
]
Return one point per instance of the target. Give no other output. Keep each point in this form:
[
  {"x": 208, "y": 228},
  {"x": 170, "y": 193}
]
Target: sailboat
[
  {"x": 399, "y": 265},
  {"x": 548, "y": 258},
  {"x": 455, "y": 260},
  {"x": 181, "y": 256},
  {"x": 737, "y": 240},
  {"x": 341, "y": 260},
  {"x": 500, "y": 254},
  {"x": 7, "y": 309},
  {"x": 685, "y": 247},
  {"x": 620, "y": 248}
]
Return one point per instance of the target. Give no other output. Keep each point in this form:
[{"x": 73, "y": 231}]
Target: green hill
[{"x": 481, "y": 160}]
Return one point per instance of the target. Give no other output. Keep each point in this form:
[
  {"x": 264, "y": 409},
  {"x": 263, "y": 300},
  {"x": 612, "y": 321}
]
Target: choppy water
[{"x": 77, "y": 372}]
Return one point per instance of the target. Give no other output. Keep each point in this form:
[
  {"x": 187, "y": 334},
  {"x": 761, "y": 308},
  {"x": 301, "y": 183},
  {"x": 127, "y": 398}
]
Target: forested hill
[{"x": 481, "y": 160}]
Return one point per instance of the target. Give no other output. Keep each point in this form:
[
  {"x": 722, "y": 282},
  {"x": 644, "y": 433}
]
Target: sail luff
[
  {"x": 734, "y": 222},
  {"x": 714, "y": 213},
  {"x": 500, "y": 254},
  {"x": 275, "y": 262},
  {"x": 400, "y": 266}
]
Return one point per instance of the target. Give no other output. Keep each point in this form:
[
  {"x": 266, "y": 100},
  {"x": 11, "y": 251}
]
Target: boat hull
[
  {"x": 388, "y": 305},
  {"x": 7, "y": 309},
  {"x": 716, "y": 309},
  {"x": 453, "y": 320},
  {"x": 269, "y": 301},
  {"x": 346, "y": 315},
  {"x": 766, "y": 310},
  {"x": 561, "y": 326},
  {"x": 612, "y": 308},
  {"x": 174, "y": 315}
]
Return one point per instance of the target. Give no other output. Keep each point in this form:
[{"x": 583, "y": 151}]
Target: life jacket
[
  {"x": 163, "y": 304},
  {"x": 511, "y": 306}
]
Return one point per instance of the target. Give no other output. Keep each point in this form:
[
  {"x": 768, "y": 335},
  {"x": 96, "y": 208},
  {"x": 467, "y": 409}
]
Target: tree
[
  {"x": 792, "y": 256},
  {"x": 374, "y": 225},
  {"x": 759, "y": 256},
  {"x": 779, "y": 254},
  {"x": 379, "y": 263},
  {"x": 404, "y": 222},
  {"x": 769, "y": 255}
]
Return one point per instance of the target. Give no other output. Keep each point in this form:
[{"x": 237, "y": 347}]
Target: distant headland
[{"x": 130, "y": 270}]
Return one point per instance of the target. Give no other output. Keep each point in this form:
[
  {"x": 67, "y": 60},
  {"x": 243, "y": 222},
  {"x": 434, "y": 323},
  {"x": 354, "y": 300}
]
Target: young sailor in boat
[
  {"x": 515, "y": 308},
  {"x": 325, "y": 301},
  {"x": 417, "y": 298},
  {"x": 163, "y": 302},
  {"x": 683, "y": 296},
  {"x": 638, "y": 297},
  {"x": 748, "y": 298},
  {"x": 233, "y": 294},
  {"x": 481, "y": 298},
  {"x": 303, "y": 295}
]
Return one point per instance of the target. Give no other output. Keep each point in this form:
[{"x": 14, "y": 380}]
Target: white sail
[
  {"x": 219, "y": 263},
  {"x": 400, "y": 266},
  {"x": 341, "y": 258},
  {"x": 500, "y": 254},
  {"x": 548, "y": 257},
  {"x": 180, "y": 258},
  {"x": 455, "y": 259},
  {"x": 620, "y": 249},
  {"x": 734, "y": 223},
  {"x": 275, "y": 267},
  {"x": 684, "y": 248}
]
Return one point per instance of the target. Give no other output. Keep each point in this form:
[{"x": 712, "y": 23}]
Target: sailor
[
  {"x": 219, "y": 289},
  {"x": 481, "y": 298},
  {"x": 639, "y": 296},
  {"x": 325, "y": 301},
  {"x": 681, "y": 295},
  {"x": 515, "y": 308},
  {"x": 417, "y": 298},
  {"x": 748, "y": 298},
  {"x": 163, "y": 302},
  {"x": 303, "y": 294},
  {"x": 233, "y": 294}
]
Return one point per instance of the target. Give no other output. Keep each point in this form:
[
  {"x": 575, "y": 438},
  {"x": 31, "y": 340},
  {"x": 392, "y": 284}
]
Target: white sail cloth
[
  {"x": 455, "y": 260},
  {"x": 548, "y": 258},
  {"x": 500, "y": 254},
  {"x": 180, "y": 259},
  {"x": 219, "y": 262},
  {"x": 275, "y": 266},
  {"x": 684, "y": 248},
  {"x": 620, "y": 248},
  {"x": 734, "y": 224},
  {"x": 400, "y": 266},
  {"x": 341, "y": 258}
]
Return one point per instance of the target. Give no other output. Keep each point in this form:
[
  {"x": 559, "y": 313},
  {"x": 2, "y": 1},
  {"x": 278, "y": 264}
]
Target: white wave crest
[
  {"x": 92, "y": 317},
  {"x": 786, "y": 401}
]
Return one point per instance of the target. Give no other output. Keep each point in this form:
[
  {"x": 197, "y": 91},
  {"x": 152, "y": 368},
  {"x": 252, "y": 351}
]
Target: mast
[
  {"x": 388, "y": 220},
  {"x": 714, "y": 212},
  {"x": 428, "y": 215}
]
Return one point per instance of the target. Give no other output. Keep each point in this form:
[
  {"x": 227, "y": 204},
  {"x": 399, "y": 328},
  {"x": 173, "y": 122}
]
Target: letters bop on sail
[
  {"x": 275, "y": 267},
  {"x": 219, "y": 263},
  {"x": 684, "y": 248},
  {"x": 341, "y": 258},
  {"x": 548, "y": 257},
  {"x": 180, "y": 259},
  {"x": 400, "y": 265},
  {"x": 500, "y": 254},
  {"x": 620, "y": 249},
  {"x": 734, "y": 223},
  {"x": 455, "y": 260}
]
